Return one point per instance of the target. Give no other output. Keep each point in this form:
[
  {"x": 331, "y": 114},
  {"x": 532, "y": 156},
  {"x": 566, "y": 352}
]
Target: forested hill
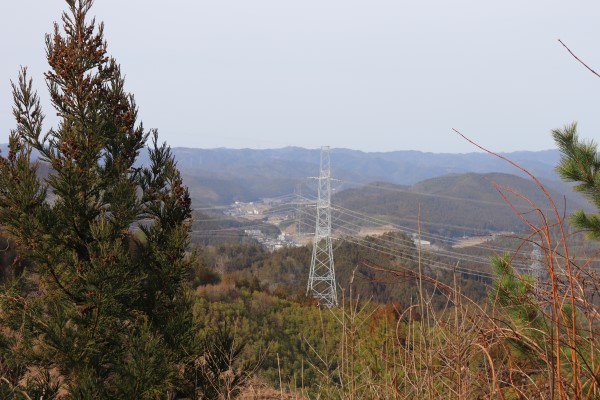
[
  {"x": 221, "y": 176},
  {"x": 400, "y": 167},
  {"x": 454, "y": 205}
]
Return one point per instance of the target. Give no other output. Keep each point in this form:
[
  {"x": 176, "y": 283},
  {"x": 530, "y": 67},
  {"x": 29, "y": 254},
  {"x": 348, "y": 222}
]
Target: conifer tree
[
  {"x": 101, "y": 309},
  {"x": 580, "y": 163}
]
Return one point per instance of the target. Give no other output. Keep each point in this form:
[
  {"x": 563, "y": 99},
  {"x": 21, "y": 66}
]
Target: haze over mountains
[
  {"x": 221, "y": 176},
  {"x": 454, "y": 191}
]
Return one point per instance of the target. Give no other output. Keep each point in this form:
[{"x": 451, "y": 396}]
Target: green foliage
[
  {"x": 273, "y": 328},
  {"x": 219, "y": 371},
  {"x": 360, "y": 350},
  {"x": 514, "y": 297},
  {"x": 104, "y": 307},
  {"x": 512, "y": 292},
  {"x": 580, "y": 163}
]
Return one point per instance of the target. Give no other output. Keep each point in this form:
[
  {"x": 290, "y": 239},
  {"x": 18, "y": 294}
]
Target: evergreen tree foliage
[
  {"x": 580, "y": 163},
  {"x": 220, "y": 372},
  {"x": 101, "y": 310},
  {"x": 514, "y": 296}
]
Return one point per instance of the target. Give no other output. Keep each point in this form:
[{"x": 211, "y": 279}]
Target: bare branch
[{"x": 577, "y": 58}]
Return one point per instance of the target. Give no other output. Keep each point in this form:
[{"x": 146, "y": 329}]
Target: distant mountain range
[
  {"x": 400, "y": 167},
  {"x": 221, "y": 176}
]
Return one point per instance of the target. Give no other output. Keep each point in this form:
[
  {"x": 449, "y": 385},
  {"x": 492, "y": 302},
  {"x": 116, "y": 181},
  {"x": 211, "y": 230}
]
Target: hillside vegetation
[
  {"x": 222, "y": 176},
  {"x": 455, "y": 205}
]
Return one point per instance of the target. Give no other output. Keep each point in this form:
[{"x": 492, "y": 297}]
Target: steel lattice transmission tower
[{"x": 321, "y": 280}]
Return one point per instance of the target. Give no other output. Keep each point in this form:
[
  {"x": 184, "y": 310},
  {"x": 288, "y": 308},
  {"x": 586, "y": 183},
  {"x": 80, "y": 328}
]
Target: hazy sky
[{"x": 372, "y": 75}]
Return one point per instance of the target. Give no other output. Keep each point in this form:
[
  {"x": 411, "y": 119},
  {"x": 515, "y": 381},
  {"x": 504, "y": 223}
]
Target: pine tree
[
  {"x": 580, "y": 163},
  {"x": 101, "y": 309}
]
